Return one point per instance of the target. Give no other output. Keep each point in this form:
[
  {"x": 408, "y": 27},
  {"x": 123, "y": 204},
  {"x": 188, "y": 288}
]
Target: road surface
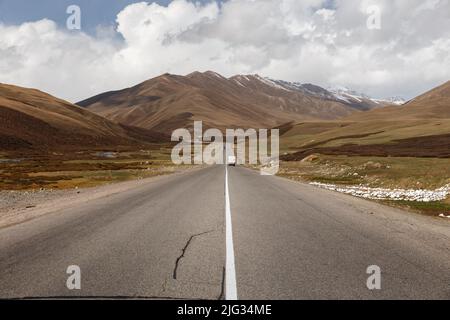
[{"x": 168, "y": 239}]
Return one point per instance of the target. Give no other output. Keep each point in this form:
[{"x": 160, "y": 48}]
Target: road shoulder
[{"x": 20, "y": 206}]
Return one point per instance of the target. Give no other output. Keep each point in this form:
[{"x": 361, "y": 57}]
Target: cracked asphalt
[{"x": 166, "y": 239}]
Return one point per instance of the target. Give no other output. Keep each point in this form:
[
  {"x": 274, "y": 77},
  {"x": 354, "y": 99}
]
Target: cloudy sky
[{"x": 325, "y": 42}]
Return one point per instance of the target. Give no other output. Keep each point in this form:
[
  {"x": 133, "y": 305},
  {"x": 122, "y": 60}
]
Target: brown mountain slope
[
  {"x": 420, "y": 128},
  {"x": 170, "y": 101},
  {"x": 434, "y": 104},
  {"x": 31, "y": 119}
]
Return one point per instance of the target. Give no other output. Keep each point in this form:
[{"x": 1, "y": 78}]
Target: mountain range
[
  {"x": 418, "y": 128},
  {"x": 171, "y": 101},
  {"x": 148, "y": 112},
  {"x": 434, "y": 104}
]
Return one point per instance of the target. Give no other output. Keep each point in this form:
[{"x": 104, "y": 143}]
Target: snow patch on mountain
[
  {"x": 270, "y": 82},
  {"x": 395, "y": 100},
  {"x": 337, "y": 93},
  {"x": 348, "y": 95}
]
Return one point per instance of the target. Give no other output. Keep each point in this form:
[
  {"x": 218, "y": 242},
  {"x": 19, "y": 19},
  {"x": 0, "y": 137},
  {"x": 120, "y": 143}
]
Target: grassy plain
[
  {"x": 382, "y": 172},
  {"x": 82, "y": 169}
]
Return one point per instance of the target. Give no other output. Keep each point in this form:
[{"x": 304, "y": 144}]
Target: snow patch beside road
[{"x": 389, "y": 194}]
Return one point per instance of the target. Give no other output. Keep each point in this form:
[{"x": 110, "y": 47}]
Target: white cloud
[{"x": 308, "y": 41}]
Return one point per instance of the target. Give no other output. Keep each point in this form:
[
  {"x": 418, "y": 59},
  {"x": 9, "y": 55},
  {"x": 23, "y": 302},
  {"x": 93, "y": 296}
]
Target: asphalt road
[{"x": 167, "y": 239}]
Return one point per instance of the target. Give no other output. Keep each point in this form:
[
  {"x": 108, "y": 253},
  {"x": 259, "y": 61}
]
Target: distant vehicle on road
[{"x": 231, "y": 160}]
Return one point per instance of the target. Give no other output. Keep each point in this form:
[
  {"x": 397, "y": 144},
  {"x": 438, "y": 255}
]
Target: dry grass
[
  {"x": 386, "y": 172},
  {"x": 332, "y": 134},
  {"x": 428, "y": 208},
  {"x": 389, "y": 172},
  {"x": 63, "y": 171}
]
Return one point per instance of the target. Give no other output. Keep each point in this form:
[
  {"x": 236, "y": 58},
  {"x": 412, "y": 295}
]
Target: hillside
[
  {"x": 31, "y": 119},
  {"x": 434, "y": 104},
  {"x": 420, "y": 128},
  {"x": 170, "y": 101}
]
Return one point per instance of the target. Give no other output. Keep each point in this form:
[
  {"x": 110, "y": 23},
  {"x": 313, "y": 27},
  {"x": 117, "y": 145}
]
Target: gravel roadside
[{"x": 19, "y": 206}]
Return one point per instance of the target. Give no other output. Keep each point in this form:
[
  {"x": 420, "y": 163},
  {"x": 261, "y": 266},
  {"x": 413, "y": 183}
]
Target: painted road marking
[{"x": 230, "y": 269}]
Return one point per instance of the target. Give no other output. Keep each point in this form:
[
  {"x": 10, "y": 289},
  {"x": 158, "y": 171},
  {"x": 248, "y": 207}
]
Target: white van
[{"x": 231, "y": 161}]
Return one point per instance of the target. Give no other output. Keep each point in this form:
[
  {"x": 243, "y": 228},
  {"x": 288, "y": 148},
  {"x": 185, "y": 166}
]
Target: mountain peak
[
  {"x": 208, "y": 73},
  {"x": 213, "y": 73}
]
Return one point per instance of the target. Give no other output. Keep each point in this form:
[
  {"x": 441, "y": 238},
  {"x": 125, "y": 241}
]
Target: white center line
[{"x": 230, "y": 270}]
